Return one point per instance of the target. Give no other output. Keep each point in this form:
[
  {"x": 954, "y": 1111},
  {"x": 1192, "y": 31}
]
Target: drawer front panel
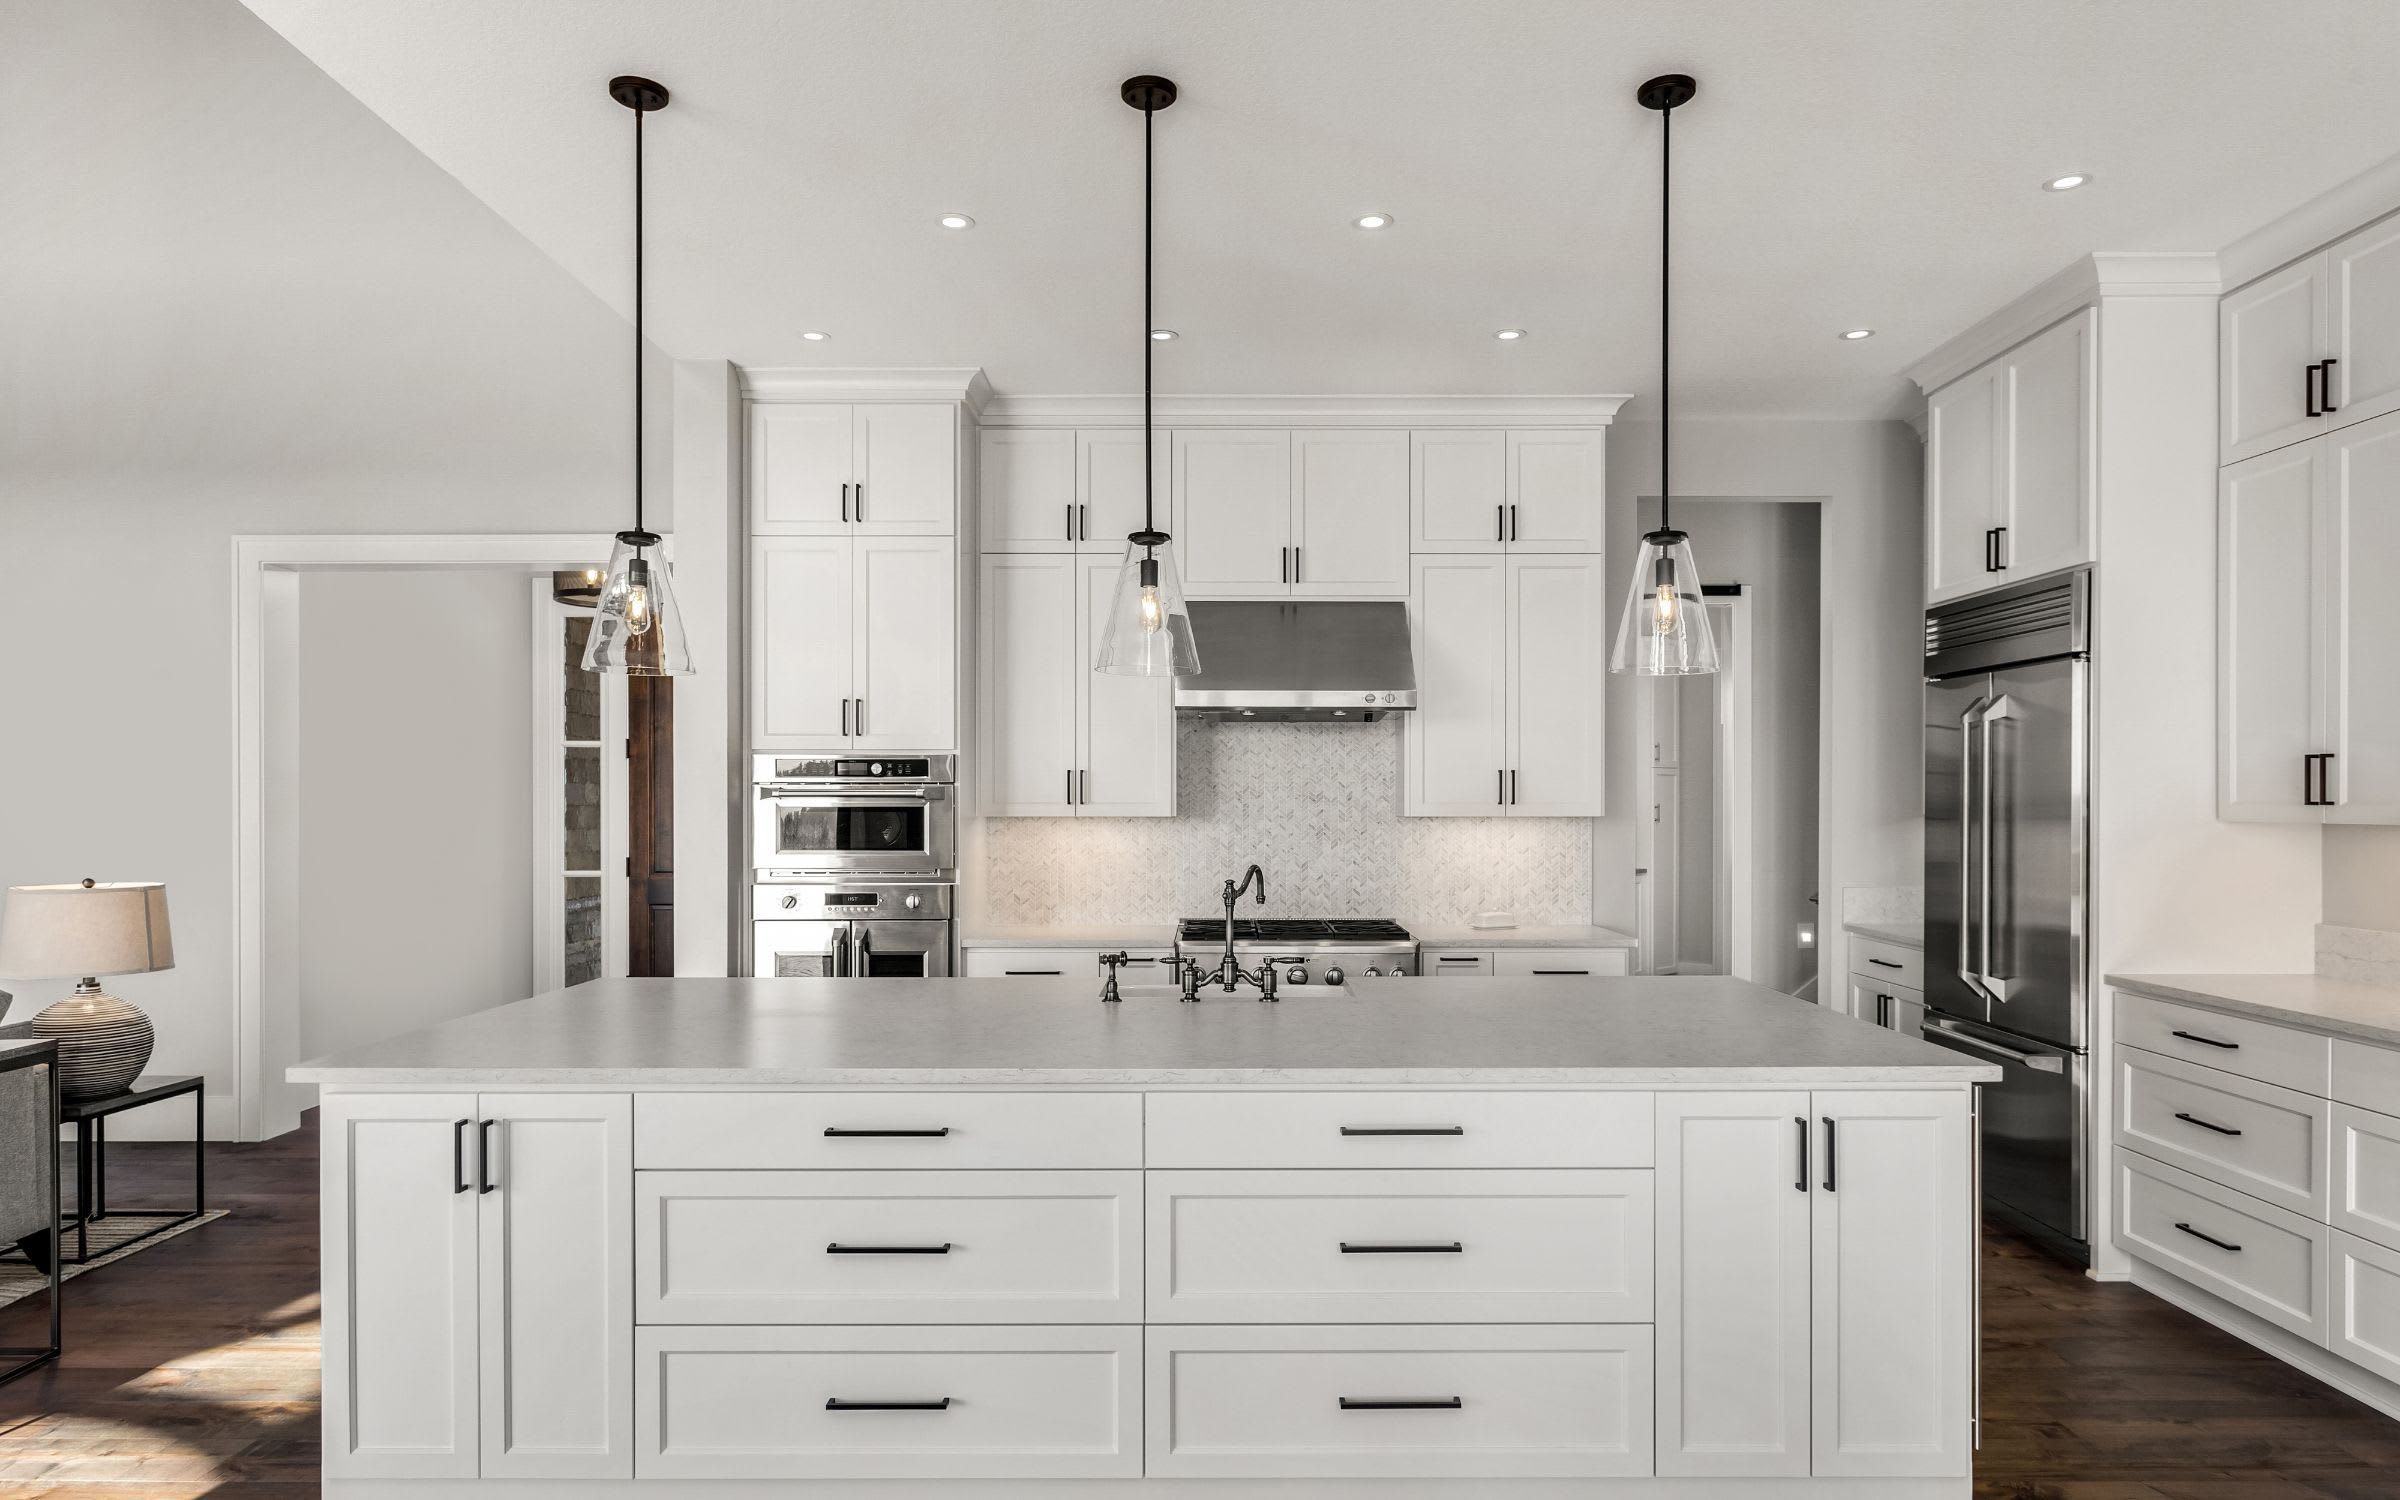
[
  {"x": 2366, "y": 1174},
  {"x": 1400, "y": 1130},
  {"x": 763, "y": 1131},
  {"x": 888, "y": 1247},
  {"x": 2364, "y": 1326},
  {"x": 1316, "y": 1402},
  {"x": 1455, "y": 963},
  {"x": 751, "y": 1403},
  {"x": 2250, "y": 1253},
  {"x": 1400, "y": 1247},
  {"x": 1539, "y": 963},
  {"x": 2368, "y": 1077},
  {"x": 1887, "y": 963},
  {"x": 2234, "y": 1044},
  {"x": 2266, "y": 1141}
]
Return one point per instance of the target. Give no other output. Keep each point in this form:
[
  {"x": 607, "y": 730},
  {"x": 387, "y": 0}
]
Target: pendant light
[
  {"x": 637, "y": 630},
  {"x": 1665, "y": 630},
  {"x": 1149, "y": 628}
]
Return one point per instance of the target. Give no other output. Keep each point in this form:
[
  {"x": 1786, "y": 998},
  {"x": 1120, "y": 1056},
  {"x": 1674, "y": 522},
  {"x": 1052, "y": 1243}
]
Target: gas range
[{"x": 1305, "y": 950}]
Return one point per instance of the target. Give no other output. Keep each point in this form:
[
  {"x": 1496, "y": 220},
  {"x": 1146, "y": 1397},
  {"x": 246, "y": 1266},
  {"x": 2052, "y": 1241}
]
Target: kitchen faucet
[{"x": 1229, "y": 971}]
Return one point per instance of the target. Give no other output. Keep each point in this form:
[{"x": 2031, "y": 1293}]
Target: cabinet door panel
[
  {"x": 557, "y": 1287},
  {"x": 400, "y": 1313},
  {"x": 1733, "y": 1284},
  {"x": 1557, "y": 481},
  {"x": 1031, "y": 668},
  {"x": 1026, "y": 481},
  {"x": 1557, "y": 698},
  {"x": 1961, "y": 479},
  {"x": 799, "y": 462},
  {"x": 1350, "y": 513},
  {"x": 1458, "y": 484},
  {"x": 1457, "y": 740},
  {"x": 905, "y": 469},
  {"x": 2268, "y": 333},
  {"x": 2361, "y": 540},
  {"x": 1126, "y": 765},
  {"x": 2048, "y": 457},
  {"x": 1233, "y": 512},
  {"x": 2268, "y": 624},
  {"x": 1109, "y": 486},
  {"x": 906, "y": 644},
  {"x": 1892, "y": 1262},
  {"x": 2363, "y": 283},
  {"x": 801, "y": 656},
  {"x": 2364, "y": 1319}
]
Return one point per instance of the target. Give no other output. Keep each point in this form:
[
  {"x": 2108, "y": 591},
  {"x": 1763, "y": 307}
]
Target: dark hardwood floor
[{"x": 191, "y": 1369}]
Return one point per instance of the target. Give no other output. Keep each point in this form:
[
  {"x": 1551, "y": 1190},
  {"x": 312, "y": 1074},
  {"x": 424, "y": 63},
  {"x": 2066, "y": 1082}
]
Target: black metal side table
[{"x": 90, "y": 1119}]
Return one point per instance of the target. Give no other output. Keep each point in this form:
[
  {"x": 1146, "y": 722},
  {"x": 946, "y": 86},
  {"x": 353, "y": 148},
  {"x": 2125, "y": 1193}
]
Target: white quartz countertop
[
  {"x": 1434, "y": 935},
  {"x": 637, "y": 1033},
  {"x": 1133, "y": 935},
  {"x": 2337, "y": 1007},
  {"x": 1906, "y": 934}
]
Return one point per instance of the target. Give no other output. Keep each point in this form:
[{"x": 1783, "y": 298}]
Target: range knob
[
  {"x": 1295, "y": 975},
  {"x": 1334, "y": 974},
  {"x": 1373, "y": 972},
  {"x": 875, "y": 768},
  {"x": 1399, "y": 971},
  {"x": 790, "y": 901},
  {"x": 912, "y": 901}
]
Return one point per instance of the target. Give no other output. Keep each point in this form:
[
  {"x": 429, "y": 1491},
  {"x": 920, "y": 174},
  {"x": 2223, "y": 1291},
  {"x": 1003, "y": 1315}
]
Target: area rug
[{"x": 108, "y": 1239}]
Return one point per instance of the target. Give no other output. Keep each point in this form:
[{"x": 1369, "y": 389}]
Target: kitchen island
[{"x": 976, "y": 1237}]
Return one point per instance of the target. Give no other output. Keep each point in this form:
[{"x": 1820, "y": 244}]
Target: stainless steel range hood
[{"x": 1275, "y": 661}]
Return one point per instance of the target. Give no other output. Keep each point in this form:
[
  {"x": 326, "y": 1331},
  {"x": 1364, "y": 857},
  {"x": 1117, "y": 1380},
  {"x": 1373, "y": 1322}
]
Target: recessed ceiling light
[
  {"x": 1164, "y": 334},
  {"x": 1373, "y": 221},
  {"x": 957, "y": 221},
  {"x": 1508, "y": 334},
  {"x": 1855, "y": 334},
  {"x": 2067, "y": 183},
  {"x": 814, "y": 337}
]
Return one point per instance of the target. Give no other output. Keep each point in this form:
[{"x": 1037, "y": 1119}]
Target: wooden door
[
  {"x": 1557, "y": 486},
  {"x": 1350, "y": 513},
  {"x": 1030, "y": 670},
  {"x": 1458, "y": 490},
  {"x": 2268, "y": 334},
  {"x": 1557, "y": 686},
  {"x": 1457, "y": 740},
  {"x": 650, "y": 826},
  {"x": 801, "y": 652},
  {"x": 2363, "y": 318},
  {"x": 556, "y": 1235},
  {"x": 2269, "y": 628},
  {"x": 1962, "y": 497},
  {"x": 1233, "y": 512},
  {"x": 905, "y": 643},
  {"x": 1733, "y": 1283},
  {"x": 1108, "y": 486},
  {"x": 1125, "y": 761},
  {"x": 399, "y": 1229},
  {"x": 905, "y": 469},
  {"x": 799, "y": 469},
  {"x": 1026, "y": 481},
  {"x": 2046, "y": 459},
  {"x": 2360, "y": 539}
]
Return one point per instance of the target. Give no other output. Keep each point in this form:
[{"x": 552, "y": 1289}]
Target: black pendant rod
[
  {"x": 637, "y": 318},
  {"x": 1666, "y": 260},
  {"x": 1149, "y": 469}
]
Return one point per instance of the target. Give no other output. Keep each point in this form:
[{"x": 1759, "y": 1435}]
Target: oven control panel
[
  {"x": 902, "y": 901},
  {"x": 935, "y": 770}
]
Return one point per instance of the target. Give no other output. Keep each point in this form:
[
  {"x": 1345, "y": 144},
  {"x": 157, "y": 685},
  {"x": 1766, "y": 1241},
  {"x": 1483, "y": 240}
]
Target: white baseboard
[{"x": 2343, "y": 1376}]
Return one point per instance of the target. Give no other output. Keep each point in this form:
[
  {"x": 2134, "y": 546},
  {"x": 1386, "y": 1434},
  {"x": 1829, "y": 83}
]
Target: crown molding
[
  {"x": 966, "y": 386},
  {"x": 2165, "y": 273},
  {"x": 2320, "y": 221},
  {"x": 1304, "y": 411}
]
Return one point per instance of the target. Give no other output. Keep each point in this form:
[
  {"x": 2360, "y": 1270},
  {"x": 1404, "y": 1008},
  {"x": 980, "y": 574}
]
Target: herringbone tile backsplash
[{"x": 1317, "y": 805}]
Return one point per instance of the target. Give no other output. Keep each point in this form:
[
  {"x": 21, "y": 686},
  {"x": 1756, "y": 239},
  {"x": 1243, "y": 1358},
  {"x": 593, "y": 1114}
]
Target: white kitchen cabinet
[
  {"x": 1510, "y": 688},
  {"x": 1124, "y": 726},
  {"x": 1962, "y": 483},
  {"x": 1734, "y": 1200},
  {"x": 2361, "y": 537},
  {"x": 1108, "y": 486},
  {"x": 872, "y": 469},
  {"x": 1458, "y": 490},
  {"x": 2363, "y": 1321},
  {"x": 2270, "y": 334},
  {"x": 1532, "y": 490},
  {"x": 1059, "y": 739},
  {"x": 1233, "y": 512},
  {"x": 1557, "y": 486},
  {"x": 478, "y": 1322},
  {"x": 1481, "y": 964},
  {"x": 1349, "y": 523},
  {"x": 1025, "y": 483},
  {"x": 853, "y": 643},
  {"x": 2362, "y": 291},
  {"x": 1894, "y": 1007},
  {"x": 1142, "y": 965},
  {"x": 1892, "y": 1272},
  {"x": 2009, "y": 465},
  {"x": 1537, "y": 963}
]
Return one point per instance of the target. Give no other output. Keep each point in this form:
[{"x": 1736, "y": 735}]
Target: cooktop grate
[{"x": 1294, "y": 930}]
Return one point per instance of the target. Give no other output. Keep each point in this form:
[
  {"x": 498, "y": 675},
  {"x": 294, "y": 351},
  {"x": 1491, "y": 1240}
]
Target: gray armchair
[{"x": 29, "y": 1174}]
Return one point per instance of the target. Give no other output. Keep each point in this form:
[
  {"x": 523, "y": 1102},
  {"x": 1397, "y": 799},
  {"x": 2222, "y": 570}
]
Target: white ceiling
[{"x": 1848, "y": 163}]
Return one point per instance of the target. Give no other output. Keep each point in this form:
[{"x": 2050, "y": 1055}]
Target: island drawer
[
  {"x": 1400, "y": 1247},
  {"x": 1399, "y": 1402},
  {"x": 2234, "y": 1044},
  {"x": 888, "y": 1247},
  {"x": 2366, "y": 1076},
  {"x": 887, "y": 1403},
  {"x": 2366, "y": 1174},
  {"x": 1528, "y": 963},
  {"x": 2269, "y": 1142},
  {"x": 771, "y": 1130},
  {"x": 1419, "y": 1129},
  {"x": 2253, "y": 1254},
  {"x": 1887, "y": 963}
]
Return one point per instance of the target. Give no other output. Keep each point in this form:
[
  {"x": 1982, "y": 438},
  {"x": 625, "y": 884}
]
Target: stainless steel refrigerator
[{"x": 2007, "y": 789}]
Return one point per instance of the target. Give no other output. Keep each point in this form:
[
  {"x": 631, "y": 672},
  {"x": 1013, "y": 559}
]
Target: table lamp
[{"x": 81, "y": 932}]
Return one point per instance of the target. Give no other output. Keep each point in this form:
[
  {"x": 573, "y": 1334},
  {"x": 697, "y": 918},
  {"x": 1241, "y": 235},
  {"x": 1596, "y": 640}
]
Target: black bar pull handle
[
  {"x": 1512, "y": 524},
  {"x": 1446, "y": 1403},
  {"x": 483, "y": 1157},
  {"x": 2206, "y": 1041},
  {"x": 1829, "y": 1146},
  {"x": 1800, "y": 1128},
  {"x": 458, "y": 1155},
  {"x": 1585, "y": 972},
  {"x": 1070, "y": 520},
  {"x": 836, "y": 1132},
  {"x": 1885, "y": 963},
  {"x": 2325, "y": 406},
  {"x": 2212, "y": 1239},
  {"x": 1404, "y": 1130},
  {"x": 1042, "y": 973},
  {"x": 1999, "y": 549},
  {"x": 1452, "y": 1248},
  {"x": 2308, "y": 389},
  {"x": 1083, "y": 523},
  {"x": 845, "y": 503},
  {"x": 1499, "y": 523},
  {"x": 836, "y": 1403},
  {"x": 858, "y": 501},
  {"x": 1295, "y": 565},
  {"x": 2204, "y": 1124},
  {"x": 837, "y": 1248}
]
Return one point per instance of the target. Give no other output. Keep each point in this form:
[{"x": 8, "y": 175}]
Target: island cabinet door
[
  {"x": 398, "y": 1208},
  {"x": 1892, "y": 1251},
  {"x": 1733, "y": 1286},
  {"x": 554, "y": 1190}
]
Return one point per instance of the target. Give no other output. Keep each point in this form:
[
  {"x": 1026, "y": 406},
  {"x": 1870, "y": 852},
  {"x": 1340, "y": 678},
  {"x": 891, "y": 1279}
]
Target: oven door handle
[
  {"x": 860, "y": 950},
  {"x": 841, "y": 952},
  {"x": 898, "y": 796}
]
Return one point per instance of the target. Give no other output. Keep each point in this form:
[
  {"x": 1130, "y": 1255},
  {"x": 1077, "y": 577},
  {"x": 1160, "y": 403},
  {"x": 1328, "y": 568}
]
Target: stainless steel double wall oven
[{"x": 853, "y": 863}]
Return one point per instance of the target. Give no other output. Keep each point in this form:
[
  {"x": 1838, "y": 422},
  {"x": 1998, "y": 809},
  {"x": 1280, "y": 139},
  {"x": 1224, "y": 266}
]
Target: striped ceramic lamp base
[{"x": 103, "y": 1043}]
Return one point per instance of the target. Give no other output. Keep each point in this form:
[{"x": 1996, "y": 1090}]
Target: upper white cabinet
[
  {"x": 2009, "y": 465},
  {"x": 1510, "y": 687},
  {"x": 1349, "y": 522},
  {"x": 1536, "y": 490},
  {"x": 1059, "y": 739},
  {"x": 1051, "y": 489},
  {"x": 2312, "y": 347},
  {"x": 1292, "y": 513},
  {"x": 853, "y": 643},
  {"x": 1108, "y": 485},
  {"x": 1233, "y": 512},
  {"x": 874, "y": 468}
]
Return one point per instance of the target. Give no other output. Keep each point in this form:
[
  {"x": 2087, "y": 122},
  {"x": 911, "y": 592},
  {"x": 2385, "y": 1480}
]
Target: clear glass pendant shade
[
  {"x": 1665, "y": 629},
  {"x": 638, "y": 629},
  {"x": 1149, "y": 631}
]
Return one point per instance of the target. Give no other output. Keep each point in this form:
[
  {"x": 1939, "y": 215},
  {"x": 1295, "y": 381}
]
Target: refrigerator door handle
[
  {"x": 1969, "y": 972},
  {"x": 2040, "y": 1062},
  {"x": 2003, "y": 707}
]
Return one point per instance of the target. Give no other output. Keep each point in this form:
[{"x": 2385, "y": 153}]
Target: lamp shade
[{"x": 85, "y": 930}]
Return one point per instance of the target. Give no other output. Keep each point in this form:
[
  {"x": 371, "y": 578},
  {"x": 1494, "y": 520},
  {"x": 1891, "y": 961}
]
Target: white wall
[
  {"x": 2362, "y": 877},
  {"x": 416, "y": 802},
  {"x": 235, "y": 303}
]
